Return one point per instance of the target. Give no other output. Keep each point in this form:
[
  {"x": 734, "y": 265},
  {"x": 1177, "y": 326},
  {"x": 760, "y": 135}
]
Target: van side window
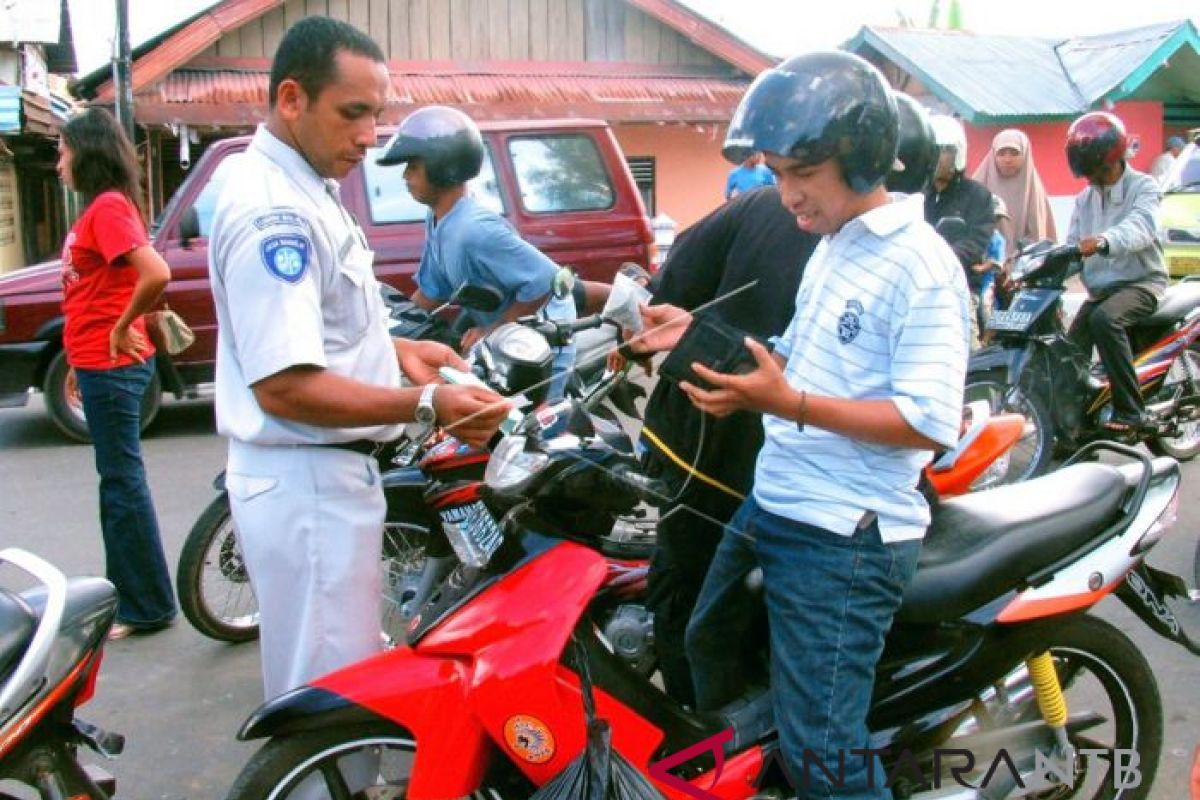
[
  {"x": 390, "y": 202},
  {"x": 560, "y": 173},
  {"x": 206, "y": 201}
]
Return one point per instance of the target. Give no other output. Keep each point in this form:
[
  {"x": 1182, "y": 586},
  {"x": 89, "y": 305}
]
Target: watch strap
[{"x": 426, "y": 399}]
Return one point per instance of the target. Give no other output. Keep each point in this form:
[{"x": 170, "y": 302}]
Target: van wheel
[{"x": 67, "y": 412}]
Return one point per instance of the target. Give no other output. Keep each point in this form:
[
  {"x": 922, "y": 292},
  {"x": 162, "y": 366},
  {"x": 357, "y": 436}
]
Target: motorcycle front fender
[
  {"x": 1011, "y": 360},
  {"x": 424, "y": 695}
]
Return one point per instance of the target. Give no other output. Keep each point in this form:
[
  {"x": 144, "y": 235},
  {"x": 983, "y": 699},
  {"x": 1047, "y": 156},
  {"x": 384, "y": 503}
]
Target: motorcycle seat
[
  {"x": 17, "y": 624},
  {"x": 985, "y": 544},
  {"x": 1173, "y": 306}
]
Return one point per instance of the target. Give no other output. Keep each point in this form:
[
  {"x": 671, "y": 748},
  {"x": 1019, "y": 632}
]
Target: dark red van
[{"x": 563, "y": 184}]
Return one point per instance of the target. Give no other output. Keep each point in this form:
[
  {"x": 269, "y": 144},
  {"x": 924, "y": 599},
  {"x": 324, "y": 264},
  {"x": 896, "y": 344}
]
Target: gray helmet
[
  {"x": 444, "y": 139},
  {"x": 820, "y": 106}
]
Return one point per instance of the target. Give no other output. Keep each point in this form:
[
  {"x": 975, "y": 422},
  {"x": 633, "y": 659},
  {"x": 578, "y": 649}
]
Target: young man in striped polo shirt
[{"x": 865, "y": 383}]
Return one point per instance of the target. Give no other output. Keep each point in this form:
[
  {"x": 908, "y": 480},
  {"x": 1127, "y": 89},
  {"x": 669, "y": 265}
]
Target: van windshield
[{"x": 205, "y": 202}]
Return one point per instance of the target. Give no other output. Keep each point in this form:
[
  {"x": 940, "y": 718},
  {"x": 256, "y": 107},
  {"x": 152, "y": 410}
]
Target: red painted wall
[{"x": 1143, "y": 119}]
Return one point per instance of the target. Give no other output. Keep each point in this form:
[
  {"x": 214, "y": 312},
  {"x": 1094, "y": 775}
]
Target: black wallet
[{"x": 717, "y": 345}]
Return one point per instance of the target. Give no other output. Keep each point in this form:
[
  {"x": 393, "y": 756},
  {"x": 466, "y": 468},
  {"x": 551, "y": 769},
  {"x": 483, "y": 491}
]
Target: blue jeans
[
  {"x": 134, "y": 561},
  {"x": 830, "y": 602},
  {"x": 563, "y": 364}
]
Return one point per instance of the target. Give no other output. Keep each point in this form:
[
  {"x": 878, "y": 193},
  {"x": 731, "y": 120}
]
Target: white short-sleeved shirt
[
  {"x": 882, "y": 313},
  {"x": 293, "y": 283}
]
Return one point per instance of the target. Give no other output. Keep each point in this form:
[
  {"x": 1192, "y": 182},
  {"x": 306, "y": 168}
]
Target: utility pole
[{"x": 122, "y": 69}]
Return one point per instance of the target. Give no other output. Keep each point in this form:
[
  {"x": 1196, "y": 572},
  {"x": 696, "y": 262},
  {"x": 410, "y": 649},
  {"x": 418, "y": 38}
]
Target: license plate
[
  {"x": 473, "y": 533},
  {"x": 1183, "y": 265},
  {"x": 1009, "y": 320}
]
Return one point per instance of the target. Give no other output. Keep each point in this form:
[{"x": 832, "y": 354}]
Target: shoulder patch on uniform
[
  {"x": 286, "y": 256},
  {"x": 276, "y": 218}
]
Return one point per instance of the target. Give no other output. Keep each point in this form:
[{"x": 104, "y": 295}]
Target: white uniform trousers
[{"x": 310, "y": 524}]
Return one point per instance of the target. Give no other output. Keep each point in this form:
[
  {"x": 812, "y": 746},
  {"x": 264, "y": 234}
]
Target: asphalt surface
[{"x": 179, "y": 698}]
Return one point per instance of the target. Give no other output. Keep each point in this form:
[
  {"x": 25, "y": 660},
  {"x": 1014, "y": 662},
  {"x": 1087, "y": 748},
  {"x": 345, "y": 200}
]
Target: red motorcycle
[
  {"x": 51, "y": 643},
  {"x": 483, "y": 701}
]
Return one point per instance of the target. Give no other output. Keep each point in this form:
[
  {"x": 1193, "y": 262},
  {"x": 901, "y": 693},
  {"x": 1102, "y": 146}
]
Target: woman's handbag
[{"x": 168, "y": 331}]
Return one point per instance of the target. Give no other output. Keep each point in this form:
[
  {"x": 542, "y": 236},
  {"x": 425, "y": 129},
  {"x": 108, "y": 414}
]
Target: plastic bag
[
  {"x": 623, "y": 301},
  {"x": 599, "y": 772}
]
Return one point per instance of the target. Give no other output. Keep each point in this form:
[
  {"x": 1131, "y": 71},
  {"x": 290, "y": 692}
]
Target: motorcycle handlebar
[{"x": 559, "y": 334}]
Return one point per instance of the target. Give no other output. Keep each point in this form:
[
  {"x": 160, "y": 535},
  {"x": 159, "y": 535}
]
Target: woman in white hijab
[{"x": 1010, "y": 175}]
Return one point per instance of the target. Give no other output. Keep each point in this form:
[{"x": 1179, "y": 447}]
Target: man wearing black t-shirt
[{"x": 752, "y": 238}]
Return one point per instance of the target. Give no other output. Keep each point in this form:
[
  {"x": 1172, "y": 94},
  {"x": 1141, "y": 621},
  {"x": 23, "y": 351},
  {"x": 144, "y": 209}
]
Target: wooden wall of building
[{"x": 483, "y": 30}]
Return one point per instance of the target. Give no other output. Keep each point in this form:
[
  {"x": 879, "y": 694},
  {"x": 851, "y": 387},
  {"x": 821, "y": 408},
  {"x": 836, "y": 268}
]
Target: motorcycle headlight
[
  {"x": 1026, "y": 265},
  {"x": 511, "y": 464}
]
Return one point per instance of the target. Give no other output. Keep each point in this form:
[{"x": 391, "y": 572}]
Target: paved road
[{"x": 179, "y": 698}]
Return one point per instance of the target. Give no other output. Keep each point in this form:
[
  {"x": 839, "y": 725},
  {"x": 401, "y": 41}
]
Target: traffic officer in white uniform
[{"x": 308, "y": 379}]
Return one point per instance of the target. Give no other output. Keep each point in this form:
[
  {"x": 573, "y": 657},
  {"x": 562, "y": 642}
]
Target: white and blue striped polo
[{"x": 882, "y": 313}]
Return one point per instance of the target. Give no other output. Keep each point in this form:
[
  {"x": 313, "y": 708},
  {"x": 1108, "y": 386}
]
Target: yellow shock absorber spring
[{"x": 1049, "y": 693}]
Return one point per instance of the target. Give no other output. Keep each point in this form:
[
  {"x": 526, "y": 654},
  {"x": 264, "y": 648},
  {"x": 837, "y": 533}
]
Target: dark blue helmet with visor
[{"x": 820, "y": 106}]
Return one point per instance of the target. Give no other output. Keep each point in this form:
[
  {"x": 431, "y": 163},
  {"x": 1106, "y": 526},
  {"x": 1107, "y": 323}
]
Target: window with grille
[{"x": 642, "y": 168}]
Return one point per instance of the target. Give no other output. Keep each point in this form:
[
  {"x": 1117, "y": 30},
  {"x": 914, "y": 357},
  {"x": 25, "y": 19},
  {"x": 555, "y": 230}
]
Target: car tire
[{"x": 68, "y": 416}]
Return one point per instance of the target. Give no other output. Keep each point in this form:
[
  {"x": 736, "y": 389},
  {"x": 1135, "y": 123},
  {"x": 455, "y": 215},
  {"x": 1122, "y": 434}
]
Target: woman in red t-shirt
[{"x": 111, "y": 276}]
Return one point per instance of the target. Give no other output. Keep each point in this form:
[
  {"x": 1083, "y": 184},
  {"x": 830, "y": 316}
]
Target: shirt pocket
[{"x": 353, "y": 301}]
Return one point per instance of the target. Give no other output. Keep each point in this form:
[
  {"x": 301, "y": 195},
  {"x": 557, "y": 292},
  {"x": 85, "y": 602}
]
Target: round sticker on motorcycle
[{"x": 529, "y": 738}]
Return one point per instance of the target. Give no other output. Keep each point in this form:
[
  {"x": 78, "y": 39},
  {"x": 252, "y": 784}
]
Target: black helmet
[
  {"x": 446, "y": 140},
  {"x": 1094, "y": 140},
  {"x": 917, "y": 150},
  {"x": 819, "y": 106}
]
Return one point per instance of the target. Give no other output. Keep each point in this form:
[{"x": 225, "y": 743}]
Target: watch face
[{"x": 425, "y": 414}]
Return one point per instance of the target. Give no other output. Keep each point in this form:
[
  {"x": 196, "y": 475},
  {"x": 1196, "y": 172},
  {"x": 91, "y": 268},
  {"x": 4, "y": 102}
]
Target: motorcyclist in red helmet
[{"x": 1115, "y": 224}]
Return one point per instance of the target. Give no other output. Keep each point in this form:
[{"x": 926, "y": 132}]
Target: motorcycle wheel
[
  {"x": 1031, "y": 455},
  {"x": 217, "y": 599},
  {"x": 295, "y": 766},
  {"x": 211, "y": 581},
  {"x": 1101, "y": 673},
  {"x": 1184, "y": 370}
]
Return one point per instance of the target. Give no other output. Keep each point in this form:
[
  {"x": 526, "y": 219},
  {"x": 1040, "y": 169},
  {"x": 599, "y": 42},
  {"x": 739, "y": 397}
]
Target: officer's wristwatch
[
  {"x": 426, "y": 414},
  {"x": 1102, "y": 246}
]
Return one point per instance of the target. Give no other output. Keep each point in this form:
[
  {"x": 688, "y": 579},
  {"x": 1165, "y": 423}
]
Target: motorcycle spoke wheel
[
  {"x": 1105, "y": 678},
  {"x": 366, "y": 762},
  {"x": 1183, "y": 380},
  {"x": 213, "y": 586},
  {"x": 1031, "y": 455},
  {"x": 403, "y": 562}
]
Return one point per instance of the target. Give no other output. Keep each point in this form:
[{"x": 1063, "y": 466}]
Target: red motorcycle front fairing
[
  {"x": 425, "y": 695},
  {"x": 492, "y": 676}
]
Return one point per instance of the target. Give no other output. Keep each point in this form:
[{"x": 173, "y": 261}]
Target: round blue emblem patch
[
  {"x": 850, "y": 322},
  {"x": 286, "y": 256}
]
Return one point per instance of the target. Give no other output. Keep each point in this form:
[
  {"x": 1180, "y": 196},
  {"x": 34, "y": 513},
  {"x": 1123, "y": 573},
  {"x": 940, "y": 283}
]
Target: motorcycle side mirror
[
  {"x": 952, "y": 229},
  {"x": 563, "y": 284},
  {"x": 476, "y": 298}
]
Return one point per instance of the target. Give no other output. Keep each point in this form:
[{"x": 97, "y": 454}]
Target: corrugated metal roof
[
  {"x": 992, "y": 76},
  {"x": 613, "y": 97},
  {"x": 1098, "y": 64},
  {"x": 1005, "y": 78}
]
